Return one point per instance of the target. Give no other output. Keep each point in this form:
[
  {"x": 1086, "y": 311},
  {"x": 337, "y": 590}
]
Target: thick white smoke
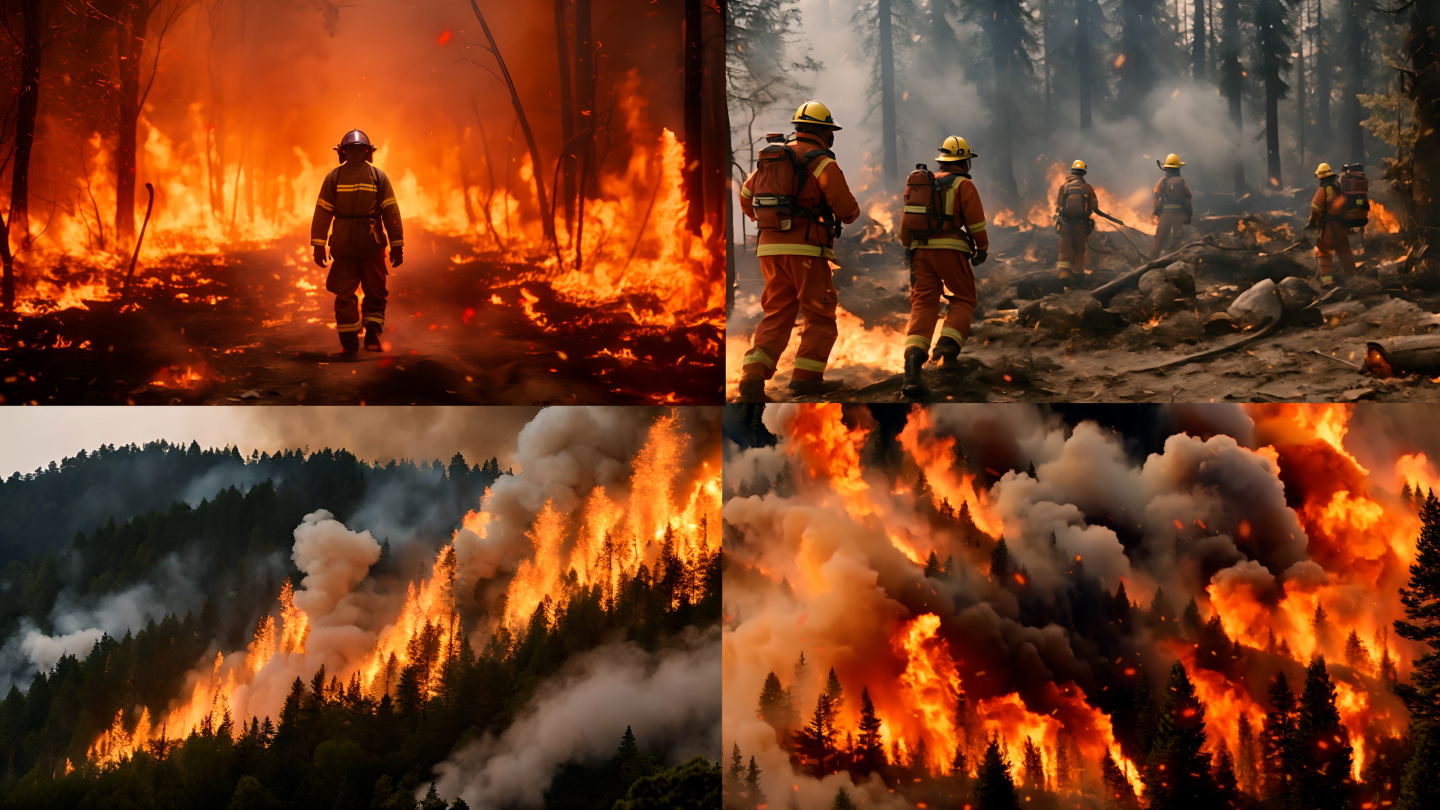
[
  {"x": 670, "y": 699},
  {"x": 333, "y": 558}
]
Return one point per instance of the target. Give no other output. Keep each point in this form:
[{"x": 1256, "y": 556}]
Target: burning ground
[
  {"x": 1034, "y": 340},
  {"x": 543, "y": 263},
  {"x": 581, "y": 584},
  {"x": 905, "y": 586}
]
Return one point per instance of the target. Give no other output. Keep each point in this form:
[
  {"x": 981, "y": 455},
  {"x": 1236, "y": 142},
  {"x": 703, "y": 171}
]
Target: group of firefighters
[{"x": 798, "y": 197}]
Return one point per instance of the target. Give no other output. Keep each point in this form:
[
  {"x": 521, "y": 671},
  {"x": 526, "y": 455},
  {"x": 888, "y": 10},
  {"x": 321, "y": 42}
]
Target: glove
[
  {"x": 397, "y": 256},
  {"x": 980, "y": 257},
  {"x": 320, "y": 255}
]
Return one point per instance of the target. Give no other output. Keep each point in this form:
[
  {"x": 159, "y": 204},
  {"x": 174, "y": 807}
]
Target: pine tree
[
  {"x": 1421, "y": 598},
  {"x": 1280, "y": 760},
  {"x": 1063, "y": 776},
  {"x": 842, "y": 801},
  {"x": 932, "y": 565},
  {"x": 1161, "y": 619},
  {"x": 1177, "y": 774},
  {"x": 1324, "y": 744},
  {"x": 1320, "y": 625},
  {"x": 1212, "y": 649},
  {"x": 1190, "y": 621},
  {"x": 1245, "y": 755},
  {"x": 1117, "y": 788},
  {"x": 1420, "y": 790},
  {"x": 731, "y": 791},
  {"x": 834, "y": 691},
  {"x": 775, "y": 707},
  {"x": 1356, "y": 656},
  {"x": 1274, "y": 43},
  {"x": 1227, "y": 788},
  {"x": 994, "y": 789},
  {"x": 1000, "y": 562},
  {"x": 1033, "y": 764},
  {"x": 815, "y": 743},
  {"x": 1232, "y": 81},
  {"x": 1120, "y": 605},
  {"x": 869, "y": 747},
  {"x": 754, "y": 796},
  {"x": 1147, "y": 714},
  {"x": 1007, "y": 26},
  {"x": 1141, "y": 61},
  {"x": 922, "y": 758}
]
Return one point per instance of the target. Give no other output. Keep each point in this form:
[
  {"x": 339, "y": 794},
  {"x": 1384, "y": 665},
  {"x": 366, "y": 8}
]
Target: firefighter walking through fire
[
  {"x": 360, "y": 202},
  {"x": 1173, "y": 209},
  {"x": 1075, "y": 202},
  {"x": 798, "y": 198},
  {"x": 943, "y": 230},
  {"x": 1340, "y": 203}
]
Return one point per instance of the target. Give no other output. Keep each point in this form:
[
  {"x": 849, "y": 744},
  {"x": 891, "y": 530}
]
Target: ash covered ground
[
  {"x": 1036, "y": 341},
  {"x": 257, "y": 326}
]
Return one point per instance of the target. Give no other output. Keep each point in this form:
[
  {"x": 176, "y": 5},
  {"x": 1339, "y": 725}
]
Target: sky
[{"x": 33, "y": 437}]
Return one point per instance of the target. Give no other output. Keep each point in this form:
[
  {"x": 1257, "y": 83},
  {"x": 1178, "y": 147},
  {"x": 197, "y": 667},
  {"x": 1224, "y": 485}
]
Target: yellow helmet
[
  {"x": 1078, "y": 166},
  {"x": 1323, "y": 170},
  {"x": 1172, "y": 161},
  {"x": 813, "y": 112},
  {"x": 954, "y": 148}
]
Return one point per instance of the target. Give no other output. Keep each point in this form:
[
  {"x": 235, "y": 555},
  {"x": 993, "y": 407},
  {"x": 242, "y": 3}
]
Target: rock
[
  {"x": 1166, "y": 297},
  {"x": 1277, "y": 266},
  {"x": 1132, "y": 305},
  {"x": 1062, "y": 315},
  {"x": 1151, "y": 280},
  {"x": 1029, "y": 312},
  {"x": 1220, "y": 265},
  {"x": 1295, "y": 295},
  {"x": 1038, "y": 284},
  {"x": 1257, "y": 305},
  {"x": 1221, "y": 324},
  {"x": 1182, "y": 275},
  {"x": 1182, "y": 327},
  {"x": 1363, "y": 285},
  {"x": 1355, "y": 394},
  {"x": 251, "y": 394}
]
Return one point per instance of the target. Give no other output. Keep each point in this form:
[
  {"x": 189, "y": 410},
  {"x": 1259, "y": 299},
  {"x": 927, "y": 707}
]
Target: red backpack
[
  {"x": 924, "y": 200},
  {"x": 1356, "y": 188},
  {"x": 1075, "y": 203},
  {"x": 780, "y": 176}
]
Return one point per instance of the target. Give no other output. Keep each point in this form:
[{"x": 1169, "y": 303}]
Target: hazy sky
[{"x": 33, "y": 437}]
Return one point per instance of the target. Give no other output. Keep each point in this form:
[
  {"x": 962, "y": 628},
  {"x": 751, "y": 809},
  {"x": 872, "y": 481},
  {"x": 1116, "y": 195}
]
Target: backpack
[
  {"x": 780, "y": 176},
  {"x": 924, "y": 194},
  {"x": 1172, "y": 191},
  {"x": 1075, "y": 203},
  {"x": 1356, "y": 188}
]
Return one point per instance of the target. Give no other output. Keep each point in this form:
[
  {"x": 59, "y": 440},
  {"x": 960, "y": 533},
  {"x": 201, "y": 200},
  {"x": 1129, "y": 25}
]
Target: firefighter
[
  {"x": 1172, "y": 210},
  {"x": 795, "y": 250},
  {"x": 1074, "y": 204},
  {"x": 360, "y": 201},
  {"x": 943, "y": 260},
  {"x": 1327, "y": 210}
]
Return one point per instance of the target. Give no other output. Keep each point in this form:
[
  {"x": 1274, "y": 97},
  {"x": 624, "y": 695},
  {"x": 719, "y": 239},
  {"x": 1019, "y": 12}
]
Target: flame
[
  {"x": 936, "y": 456},
  {"x": 931, "y": 684},
  {"x": 1380, "y": 217}
]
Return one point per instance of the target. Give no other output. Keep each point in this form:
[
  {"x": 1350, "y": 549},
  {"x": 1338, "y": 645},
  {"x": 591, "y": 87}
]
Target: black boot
[
  {"x": 914, "y": 386},
  {"x": 372, "y": 337},
  {"x": 947, "y": 353},
  {"x": 815, "y": 387},
  {"x": 349, "y": 344},
  {"x": 752, "y": 389}
]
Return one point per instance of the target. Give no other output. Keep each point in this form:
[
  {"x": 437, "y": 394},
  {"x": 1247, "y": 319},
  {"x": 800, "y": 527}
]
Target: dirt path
[{"x": 257, "y": 327}]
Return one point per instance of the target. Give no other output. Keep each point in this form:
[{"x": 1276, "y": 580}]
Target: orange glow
[
  {"x": 935, "y": 455},
  {"x": 931, "y": 685},
  {"x": 1381, "y": 218}
]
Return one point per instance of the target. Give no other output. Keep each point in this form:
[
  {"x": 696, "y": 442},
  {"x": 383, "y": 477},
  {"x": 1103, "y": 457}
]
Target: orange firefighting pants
[
  {"x": 794, "y": 284},
  {"x": 1073, "y": 237},
  {"x": 346, "y": 276},
  {"x": 934, "y": 271},
  {"x": 1334, "y": 239},
  {"x": 1167, "y": 231}
]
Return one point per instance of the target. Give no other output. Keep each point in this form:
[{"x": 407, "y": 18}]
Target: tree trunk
[
  {"x": 585, "y": 114},
  {"x": 1083, "y": 59},
  {"x": 1197, "y": 47},
  {"x": 130, "y": 35},
  {"x": 1004, "y": 124},
  {"x": 717, "y": 155},
  {"x": 694, "y": 78},
  {"x": 1232, "y": 84},
  {"x": 890, "y": 157},
  {"x": 1423, "y": 50},
  {"x": 567, "y": 115},
  {"x": 28, "y": 104},
  {"x": 1322, "y": 80},
  {"x": 1354, "y": 84},
  {"x": 1272, "y": 132},
  {"x": 1300, "y": 101}
]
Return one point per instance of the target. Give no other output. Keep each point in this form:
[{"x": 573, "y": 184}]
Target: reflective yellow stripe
[
  {"x": 976, "y": 227},
  {"x": 944, "y": 244},
  {"x": 1064, "y": 265},
  {"x": 917, "y": 341},
  {"x": 327, "y": 206},
  {"x": 820, "y": 166},
  {"x": 1314, "y": 207},
  {"x": 348, "y": 327},
  {"x": 318, "y": 242},
  {"x": 758, "y": 355},
  {"x": 916, "y": 209},
  {"x": 746, "y": 193},
  {"x": 953, "y": 334},
  {"x": 390, "y": 201},
  {"x": 356, "y": 187},
  {"x": 809, "y": 365},
  {"x": 379, "y": 319},
  {"x": 398, "y": 243},
  {"x": 783, "y": 249}
]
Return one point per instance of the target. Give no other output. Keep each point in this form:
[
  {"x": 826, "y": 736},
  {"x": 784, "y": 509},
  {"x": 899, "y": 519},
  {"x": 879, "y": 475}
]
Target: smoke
[
  {"x": 334, "y": 560},
  {"x": 669, "y": 698}
]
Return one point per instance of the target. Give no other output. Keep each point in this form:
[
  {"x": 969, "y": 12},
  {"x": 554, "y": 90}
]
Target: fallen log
[
  {"x": 1399, "y": 356},
  {"x": 1108, "y": 290}
]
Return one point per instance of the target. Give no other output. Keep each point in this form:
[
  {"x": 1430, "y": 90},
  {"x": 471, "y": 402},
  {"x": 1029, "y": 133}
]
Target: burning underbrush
[
  {"x": 1036, "y": 338},
  {"x": 910, "y": 589},
  {"x": 368, "y": 642}
]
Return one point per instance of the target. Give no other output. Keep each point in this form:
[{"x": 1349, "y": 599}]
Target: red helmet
[{"x": 354, "y": 138}]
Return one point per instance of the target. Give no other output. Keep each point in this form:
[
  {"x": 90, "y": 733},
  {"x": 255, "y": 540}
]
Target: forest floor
[
  {"x": 257, "y": 326},
  {"x": 1030, "y": 342}
]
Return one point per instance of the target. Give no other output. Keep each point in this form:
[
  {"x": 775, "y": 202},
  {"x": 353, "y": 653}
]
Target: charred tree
[
  {"x": 1139, "y": 63},
  {"x": 34, "y": 22},
  {"x": 1197, "y": 43},
  {"x": 693, "y": 174},
  {"x": 1422, "y": 51},
  {"x": 567, "y": 114},
  {"x": 1274, "y": 39},
  {"x": 1088, "y": 47},
  {"x": 1353, "y": 67},
  {"x": 1301, "y": 101},
  {"x": 585, "y": 114},
  {"x": 1232, "y": 82}
]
